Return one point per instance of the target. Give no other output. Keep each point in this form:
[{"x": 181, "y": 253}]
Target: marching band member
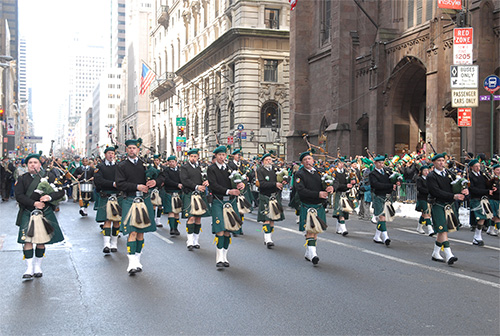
[
  {"x": 193, "y": 185},
  {"x": 269, "y": 189},
  {"x": 36, "y": 219},
  {"x": 85, "y": 175},
  {"x": 105, "y": 184},
  {"x": 342, "y": 184},
  {"x": 173, "y": 189},
  {"x": 157, "y": 168},
  {"x": 224, "y": 208},
  {"x": 312, "y": 210},
  {"x": 137, "y": 213},
  {"x": 381, "y": 187},
  {"x": 495, "y": 201},
  {"x": 443, "y": 198},
  {"x": 422, "y": 205}
]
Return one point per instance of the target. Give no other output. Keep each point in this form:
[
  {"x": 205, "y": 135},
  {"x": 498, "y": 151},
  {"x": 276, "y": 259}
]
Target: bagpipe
[{"x": 236, "y": 178}]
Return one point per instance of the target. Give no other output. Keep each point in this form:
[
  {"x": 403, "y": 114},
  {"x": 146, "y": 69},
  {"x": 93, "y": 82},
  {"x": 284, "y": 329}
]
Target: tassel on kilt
[
  {"x": 345, "y": 204},
  {"x": 314, "y": 224},
  {"x": 198, "y": 206},
  {"x": 232, "y": 222},
  {"x": 155, "y": 197},
  {"x": 39, "y": 230},
  {"x": 451, "y": 219},
  {"x": 138, "y": 214},
  {"x": 113, "y": 209},
  {"x": 275, "y": 209},
  {"x": 176, "y": 203},
  {"x": 485, "y": 205},
  {"x": 389, "y": 211},
  {"x": 243, "y": 205}
]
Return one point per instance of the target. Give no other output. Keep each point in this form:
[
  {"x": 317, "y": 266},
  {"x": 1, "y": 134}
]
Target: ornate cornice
[{"x": 406, "y": 44}]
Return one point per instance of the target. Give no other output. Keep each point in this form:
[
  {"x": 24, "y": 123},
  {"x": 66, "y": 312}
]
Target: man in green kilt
[
  {"x": 442, "y": 199},
  {"x": 313, "y": 197},
  {"x": 154, "y": 171},
  {"x": 172, "y": 188},
  {"x": 73, "y": 165},
  {"x": 225, "y": 216},
  {"x": 84, "y": 174},
  {"x": 104, "y": 178},
  {"x": 137, "y": 213},
  {"x": 243, "y": 168},
  {"x": 382, "y": 187},
  {"x": 422, "y": 202},
  {"x": 193, "y": 187},
  {"x": 341, "y": 184},
  {"x": 36, "y": 219},
  {"x": 495, "y": 201},
  {"x": 270, "y": 207}
]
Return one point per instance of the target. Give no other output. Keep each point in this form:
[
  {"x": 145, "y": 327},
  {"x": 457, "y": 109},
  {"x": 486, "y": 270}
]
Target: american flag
[
  {"x": 292, "y": 3},
  {"x": 147, "y": 77}
]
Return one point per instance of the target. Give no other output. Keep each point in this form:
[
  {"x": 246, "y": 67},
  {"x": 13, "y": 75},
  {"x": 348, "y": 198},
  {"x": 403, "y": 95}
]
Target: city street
[{"x": 358, "y": 287}]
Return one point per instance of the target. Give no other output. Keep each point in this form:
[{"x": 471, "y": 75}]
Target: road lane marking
[
  {"x": 452, "y": 239},
  {"x": 168, "y": 241},
  {"x": 399, "y": 260}
]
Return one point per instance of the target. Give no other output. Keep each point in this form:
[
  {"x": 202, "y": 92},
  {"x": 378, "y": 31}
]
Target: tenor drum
[{"x": 87, "y": 187}]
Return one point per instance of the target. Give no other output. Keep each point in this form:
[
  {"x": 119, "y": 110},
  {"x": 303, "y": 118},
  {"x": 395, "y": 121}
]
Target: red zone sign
[{"x": 462, "y": 46}]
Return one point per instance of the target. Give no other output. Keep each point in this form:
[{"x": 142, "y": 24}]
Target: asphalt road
[{"x": 358, "y": 287}]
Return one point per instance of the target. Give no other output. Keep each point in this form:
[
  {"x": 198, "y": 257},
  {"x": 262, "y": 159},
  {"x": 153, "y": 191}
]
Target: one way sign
[{"x": 464, "y": 76}]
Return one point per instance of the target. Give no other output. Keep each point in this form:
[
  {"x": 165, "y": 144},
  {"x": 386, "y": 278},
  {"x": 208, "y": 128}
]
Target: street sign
[
  {"x": 492, "y": 83},
  {"x": 464, "y": 76},
  {"x": 179, "y": 148},
  {"x": 488, "y": 97},
  {"x": 450, "y": 4},
  {"x": 33, "y": 139},
  {"x": 462, "y": 45},
  {"x": 241, "y": 127},
  {"x": 464, "y": 117},
  {"x": 180, "y": 121},
  {"x": 464, "y": 98},
  {"x": 244, "y": 135},
  {"x": 10, "y": 126},
  {"x": 230, "y": 140}
]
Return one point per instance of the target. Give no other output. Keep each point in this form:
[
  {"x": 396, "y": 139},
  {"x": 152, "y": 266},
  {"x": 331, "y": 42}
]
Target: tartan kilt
[
  {"x": 101, "y": 204},
  {"x": 423, "y": 207},
  {"x": 125, "y": 227},
  {"x": 495, "y": 206},
  {"x": 303, "y": 213},
  {"x": 378, "y": 204},
  {"x": 337, "y": 207},
  {"x": 439, "y": 218},
  {"x": 263, "y": 208},
  {"x": 166, "y": 199},
  {"x": 218, "y": 216},
  {"x": 478, "y": 214},
  {"x": 23, "y": 220},
  {"x": 186, "y": 206}
]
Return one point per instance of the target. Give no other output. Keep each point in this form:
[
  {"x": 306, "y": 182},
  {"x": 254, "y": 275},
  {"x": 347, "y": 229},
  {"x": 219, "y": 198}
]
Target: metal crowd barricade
[{"x": 406, "y": 193}]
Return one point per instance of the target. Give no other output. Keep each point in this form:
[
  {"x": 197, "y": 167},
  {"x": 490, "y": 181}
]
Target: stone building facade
[
  {"x": 376, "y": 74},
  {"x": 220, "y": 64}
]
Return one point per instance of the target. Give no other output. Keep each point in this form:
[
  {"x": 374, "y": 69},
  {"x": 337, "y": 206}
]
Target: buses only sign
[{"x": 462, "y": 46}]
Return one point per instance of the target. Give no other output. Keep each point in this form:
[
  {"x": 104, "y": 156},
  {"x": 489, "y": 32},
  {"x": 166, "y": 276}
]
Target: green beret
[
  {"x": 64, "y": 161},
  {"x": 366, "y": 161},
  {"x": 172, "y": 157},
  {"x": 438, "y": 156},
  {"x": 430, "y": 165},
  {"x": 236, "y": 151},
  {"x": 379, "y": 158},
  {"x": 32, "y": 156},
  {"x": 304, "y": 154},
  {"x": 424, "y": 167},
  {"x": 264, "y": 156},
  {"x": 354, "y": 161},
  {"x": 473, "y": 162},
  {"x": 133, "y": 142},
  {"x": 193, "y": 151},
  {"x": 110, "y": 148},
  {"x": 495, "y": 166},
  {"x": 220, "y": 149},
  {"x": 156, "y": 156}
]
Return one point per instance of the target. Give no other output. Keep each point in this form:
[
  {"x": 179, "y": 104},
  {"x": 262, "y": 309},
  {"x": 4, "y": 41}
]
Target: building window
[
  {"x": 218, "y": 79},
  {"x": 196, "y": 128},
  {"x": 326, "y": 21},
  {"x": 271, "y": 18},
  {"x": 231, "y": 76},
  {"x": 270, "y": 71},
  {"x": 411, "y": 8},
  {"x": 218, "y": 119},
  {"x": 270, "y": 115},
  {"x": 207, "y": 123},
  {"x": 230, "y": 110}
]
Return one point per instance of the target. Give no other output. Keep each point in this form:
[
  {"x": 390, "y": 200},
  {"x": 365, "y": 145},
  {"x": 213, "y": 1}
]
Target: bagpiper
[
  {"x": 85, "y": 174},
  {"x": 422, "y": 205},
  {"x": 313, "y": 196},
  {"x": 108, "y": 200},
  {"x": 480, "y": 194},
  {"x": 341, "y": 204},
  {"x": 270, "y": 204},
  {"x": 154, "y": 170},
  {"x": 194, "y": 202},
  {"x": 442, "y": 198},
  {"x": 172, "y": 194},
  {"x": 225, "y": 216},
  {"x": 495, "y": 200},
  {"x": 137, "y": 213},
  {"x": 36, "y": 194}
]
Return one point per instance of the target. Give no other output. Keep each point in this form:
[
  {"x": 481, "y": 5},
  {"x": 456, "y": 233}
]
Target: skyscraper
[{"x": 117, "y": 33}]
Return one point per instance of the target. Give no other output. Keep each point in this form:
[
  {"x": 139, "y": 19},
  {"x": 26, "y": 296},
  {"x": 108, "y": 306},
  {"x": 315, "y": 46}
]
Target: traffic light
[
  {"x": 1, "y": 113},
  {"x": 181, "y": 131}
]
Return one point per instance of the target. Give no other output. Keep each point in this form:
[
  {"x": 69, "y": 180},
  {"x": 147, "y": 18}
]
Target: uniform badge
[
  {"x": 96, "y": 170},
  {"x": 297, "y": 180},
  {"x": 267, "y": 178},
  {"x": 217, "y": 221}
]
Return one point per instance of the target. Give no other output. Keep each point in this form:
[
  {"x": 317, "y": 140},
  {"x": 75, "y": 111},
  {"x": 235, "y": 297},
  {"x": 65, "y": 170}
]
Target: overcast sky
[{"x": 48, "y": 26}]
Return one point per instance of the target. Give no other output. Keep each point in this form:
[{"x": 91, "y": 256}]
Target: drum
[{"x": 87, "y": 187}]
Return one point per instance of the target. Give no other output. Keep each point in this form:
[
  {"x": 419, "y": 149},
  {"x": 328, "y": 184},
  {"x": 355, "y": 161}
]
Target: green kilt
[
  {"x": 218, "y": 216},
  {"x": 186, "y": 206},
  {"x": 101, "y": 204},
  {"x": 247, "y": 192},
  {"x": 495, "y": 206},
  {"x": 23, "y": 220},
  {"x": 378, "y": 204},
  {"x": 423, "y": 207},
  {"x": 303, "y": 213},
  {"x": 263, "y": 208},
  {"x": 475, "y": 203},
  {"x": 337, "y": 207},
  {"x": 166, "y": 199},
  {"x": 439, "y": 218},
  {"x": 125, "y": 228}
]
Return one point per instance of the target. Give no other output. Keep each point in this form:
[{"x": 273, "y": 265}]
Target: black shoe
[
  {"x": 190, "y": 247},
  {"x": 176, "y": 232},
  {"x": 138, "y": 269},
  {"x": 27, "y": 277},
  {"x": 172, "y": 232},
  {"x": 219, "y": 264},
  {"x": 387, "y": 242},
  {"x": 315, "y": 260},
  {"x": 438, "y": 260},
  {"x": 226, "y": 264},
  {"x": 478, "y": 242},
  {"x": 132, "y": 271},
  {"x": 269, "y": 245},
  {"x": 159, "y": 225},
  {"x": 113, "y": 249},
  {"x": 196, "y": 247},
  {"x": 345, "y": 233},
  {"x": 378, "y": 241},
  {"x": 106, "y": 250},
  {"x": 38, "y": 275},
  {"x": 452, "y": 260},
  {"x": 101, "y": 226},
  {"x": 82, "y": 213}
]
